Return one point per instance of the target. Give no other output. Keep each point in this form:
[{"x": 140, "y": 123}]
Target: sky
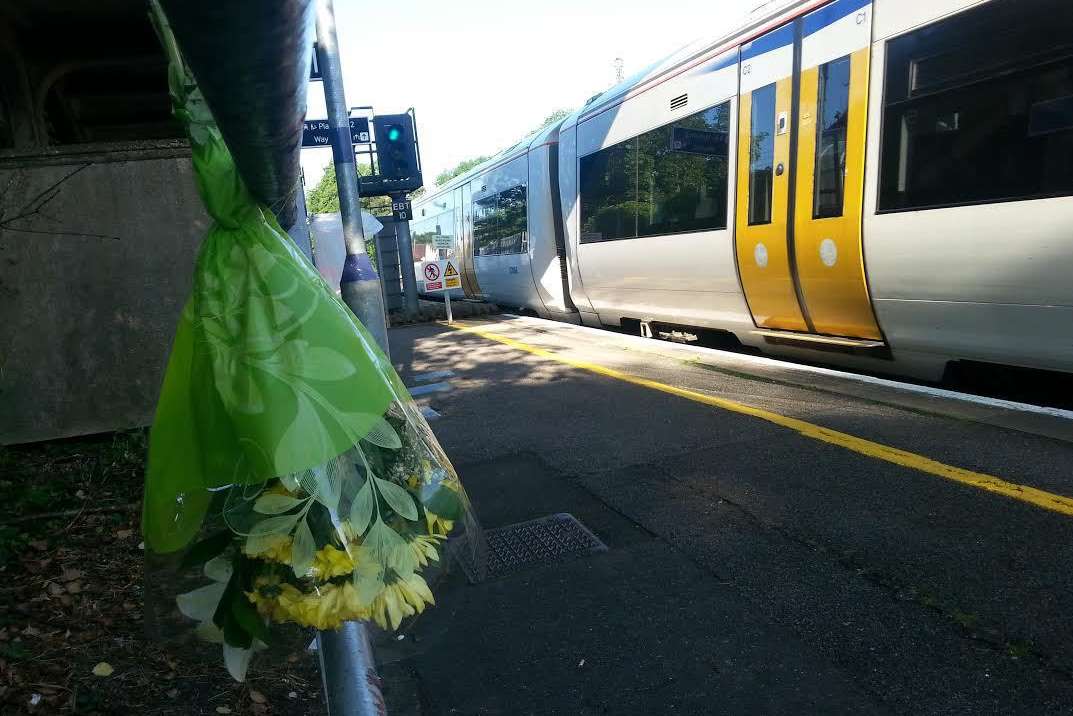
[{"x": 480, "y": 74}]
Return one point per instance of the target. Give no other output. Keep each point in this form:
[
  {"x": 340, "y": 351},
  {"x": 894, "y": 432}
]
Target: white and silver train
[{"x": 881, "y": 184}]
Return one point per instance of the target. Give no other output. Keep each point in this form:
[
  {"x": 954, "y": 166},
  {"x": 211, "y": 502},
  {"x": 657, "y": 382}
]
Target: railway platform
[{"x": 779, "y": 539}]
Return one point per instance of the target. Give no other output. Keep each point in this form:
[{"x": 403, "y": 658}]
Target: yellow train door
[{"x": 801, "y": 145}]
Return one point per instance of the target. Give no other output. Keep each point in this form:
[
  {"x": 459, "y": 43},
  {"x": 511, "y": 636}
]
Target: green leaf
[
  {"x": 206, "y": 549},
  {"x": 235, "y": 635},
  {"x": 397, "y": 498},
  {"x": 314, "y": 363},
  {"x": 303, "y": 550},
  {"x": 275, "y": 504},
  {"x": 274, "y": 526},
  {"x": 381, "y": 433},
  {"x": 443, "y": 501},
  {"x": 361, "y": 509},
  {"x": 247, "y": 617},
  {"x": 305, "y": 441},
  {"x": 381, "y": 540},
  {"x": 201, "y": 603}
]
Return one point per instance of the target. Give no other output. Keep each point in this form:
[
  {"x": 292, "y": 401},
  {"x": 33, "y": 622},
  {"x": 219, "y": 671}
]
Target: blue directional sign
[{"x": 317, "y": 133}]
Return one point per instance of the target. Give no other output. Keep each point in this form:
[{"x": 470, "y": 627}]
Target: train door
[
  {"x": 464, "y": 232},
  {"x": 804, "y": 89}
]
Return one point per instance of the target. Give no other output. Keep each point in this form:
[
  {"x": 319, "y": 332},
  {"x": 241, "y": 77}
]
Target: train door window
[
  {"x": 608, "y": 194},
  {"x": 979, "y": 108},
  {"x": 761, "y": 154},
  {"x": 500, "y": 223},
  {"x": 831, "y": 124},
  {"x": 682, "y": 174},
  {"x": 513, "y": 221},
  {"x": 485, "y": 229}
]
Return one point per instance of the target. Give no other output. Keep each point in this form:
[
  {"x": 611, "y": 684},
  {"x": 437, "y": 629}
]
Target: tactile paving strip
[{"x": 529, "y": 544}]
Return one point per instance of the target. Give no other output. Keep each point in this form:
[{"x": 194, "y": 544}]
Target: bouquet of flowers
[{"x": 288, "y": 465}]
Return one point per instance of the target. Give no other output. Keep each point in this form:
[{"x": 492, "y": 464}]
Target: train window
[
  {"x": 669, "y": 180},
  {"x": 609, "y": 194},
  {"x": 485, "y": 223},
  {"x": 979, "y": 108},
  {"x": 682, "y": 175},
  {"x": 500, "y": 223},
  {"x": 761, "y": 154},
  {"x": 832, "y": 117}
]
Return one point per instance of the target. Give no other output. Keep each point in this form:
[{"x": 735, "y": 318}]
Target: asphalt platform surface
[{"x": 750, "y": 569}]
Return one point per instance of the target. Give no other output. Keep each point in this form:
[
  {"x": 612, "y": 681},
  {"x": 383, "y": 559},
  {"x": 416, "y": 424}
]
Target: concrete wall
[{"x": 92, "y": 281}]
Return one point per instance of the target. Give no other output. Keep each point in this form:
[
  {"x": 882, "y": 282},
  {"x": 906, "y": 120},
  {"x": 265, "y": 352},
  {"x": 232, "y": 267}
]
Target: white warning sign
[{"x": 433, "y": 275}]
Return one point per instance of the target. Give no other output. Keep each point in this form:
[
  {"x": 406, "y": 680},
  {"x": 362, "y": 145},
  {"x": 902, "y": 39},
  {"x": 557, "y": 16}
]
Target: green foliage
[
  {"x": 461, "y": 168},
  {"x": 465, "y": 165},
  {"x": 556, "y": 116},
  {"x": 324, "y": 197}
]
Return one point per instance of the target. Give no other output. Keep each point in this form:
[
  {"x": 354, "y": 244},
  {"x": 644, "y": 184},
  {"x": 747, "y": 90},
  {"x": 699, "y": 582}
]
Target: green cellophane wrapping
[{"x": 289, "y": 470}]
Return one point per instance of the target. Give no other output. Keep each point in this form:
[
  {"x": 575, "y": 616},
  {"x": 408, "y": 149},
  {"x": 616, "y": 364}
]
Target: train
[{"x": 884, "y": 185}]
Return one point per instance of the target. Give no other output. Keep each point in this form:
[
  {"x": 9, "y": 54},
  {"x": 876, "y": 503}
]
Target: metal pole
[
  {"x": 351, "y": 685},
  {"x": 406, "y": 261},
  {"x": 360, "y": 285},
  {"x": 447, "y": 301}
]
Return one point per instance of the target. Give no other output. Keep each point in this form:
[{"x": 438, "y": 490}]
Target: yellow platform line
[{"x": 981, "y": 481}]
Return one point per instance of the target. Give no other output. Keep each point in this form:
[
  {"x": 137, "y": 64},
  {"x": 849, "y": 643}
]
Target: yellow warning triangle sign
[{"x": 450, "y": 270}]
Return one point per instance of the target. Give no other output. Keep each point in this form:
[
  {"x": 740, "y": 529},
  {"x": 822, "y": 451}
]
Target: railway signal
[{"x": 398, "y": 168}]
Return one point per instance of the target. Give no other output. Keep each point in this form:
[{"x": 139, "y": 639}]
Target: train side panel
[
  {"x": 664, "y": 269},
  {"x": 968, "y": 245}
]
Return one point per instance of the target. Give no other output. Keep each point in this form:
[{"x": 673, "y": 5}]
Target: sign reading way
[{"x": 317, "y": 132}]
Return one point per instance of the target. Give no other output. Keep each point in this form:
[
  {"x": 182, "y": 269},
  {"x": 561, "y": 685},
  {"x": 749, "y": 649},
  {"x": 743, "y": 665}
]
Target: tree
[
  {"x": 324, "y": 197},
  {"x": 466, "y": 164},
  {"x": 461, "y": 168},
  {"x": 556, "y": 116}
]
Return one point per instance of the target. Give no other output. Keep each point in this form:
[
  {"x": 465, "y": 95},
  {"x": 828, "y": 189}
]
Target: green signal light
[{"x": 394, "y": 134}]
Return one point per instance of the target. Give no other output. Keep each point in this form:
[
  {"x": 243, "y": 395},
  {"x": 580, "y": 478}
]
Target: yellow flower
[
  {"x": 424, "y": 548},
  {"x": 274, "y": 548},
  {"x": 438, "y": 525},
  {"x": 279, "y": 489},
  {"x": 402, "y": 598},
  {"x": 330, "y": 562},
  {"x": 413, "y": 481},
  {"x": 270, "y": 595}
]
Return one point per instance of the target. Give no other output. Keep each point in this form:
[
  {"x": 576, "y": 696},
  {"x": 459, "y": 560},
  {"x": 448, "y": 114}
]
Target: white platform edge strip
[{"x": 715, "y": 353}]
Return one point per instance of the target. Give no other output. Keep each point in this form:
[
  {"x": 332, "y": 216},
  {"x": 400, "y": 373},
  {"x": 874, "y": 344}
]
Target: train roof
[{"x": 756, "y": 22}]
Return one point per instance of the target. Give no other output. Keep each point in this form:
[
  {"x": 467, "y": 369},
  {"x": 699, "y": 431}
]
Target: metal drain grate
[{"x": 528, "y": 544}]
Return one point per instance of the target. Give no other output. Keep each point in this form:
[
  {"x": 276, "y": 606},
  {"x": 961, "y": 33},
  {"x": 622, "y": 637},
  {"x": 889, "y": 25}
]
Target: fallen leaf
[
  {"x": 103, "y": 669},
  {"x": 172, "y": 693},
  {"x": 292, "y": 694},
  {"x": 70, "y": 575},
  {"x": 54, "y": 589},
  {"x": 74, "y": 587},
  {"x": 257, "y": 697},
  {"x": 40, "y": 545},
  {"x": 30, "y": 631},
  {"x": 222, "y": 710},
  {"x": 123, "y": 534}
]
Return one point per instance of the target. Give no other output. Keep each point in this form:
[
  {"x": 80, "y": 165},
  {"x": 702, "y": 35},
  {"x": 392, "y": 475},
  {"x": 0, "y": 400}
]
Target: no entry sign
[{"x": 432, "y": 273}]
